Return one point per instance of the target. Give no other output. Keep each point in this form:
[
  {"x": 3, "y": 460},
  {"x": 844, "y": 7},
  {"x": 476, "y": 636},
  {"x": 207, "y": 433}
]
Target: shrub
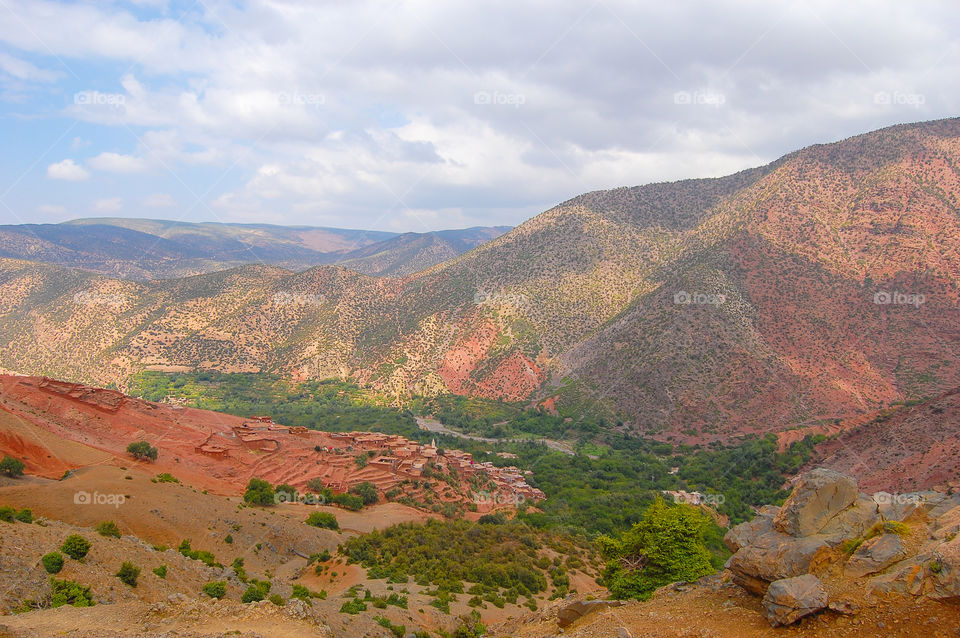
[
  {"x": 166, "y": 477},
  {"x": 896, "y": 527},
  {"x": 142, "y": 451},
  {"x": 24, "y": 516},
  {"x": 259, "y": 492},
  {"x": 203, "y": 556},
  {"x": 348, "y": 501},
  {"x": 109, "y": 529},
  {"x": 128, "y": 574},
  {"x": 256, "y": 592},
  {"x": 75, "y": 546},
  {"x": 353, "y": 607},
  {"x": 277, "y": 600},
  {"x": 11, "y": 467},
  {"x": 67, "y": 592},
  {"x": 216, "y": 589},
  {"x": 7, "y": 514},
  {"x": 228, "y": 539},
  {"x": 52, "y": 562},
  {"x": 160, "y": 571},
  {"x": 323, "y": 520},
  {"x": 397, "y": 630}
]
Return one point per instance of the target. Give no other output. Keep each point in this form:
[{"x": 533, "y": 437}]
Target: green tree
[
  {"x": 323, "y": 520},
  {"x": 665, "y": 546},
  {"x": 11, "y": 467},
  {"x": 367, "y": 491},
  {"x": 142, "y": 451},
  {"x": 259, "y": 492},
  {"x": 216, "y": 589}
]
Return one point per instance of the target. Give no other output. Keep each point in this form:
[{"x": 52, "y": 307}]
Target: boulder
[
  {"x": 853, "y": 521},
  {"x": 580, "y": 608},
  {"x": 875, "y": 555},
  {"x": 819, "y": 496},
  {"x": 774, "y": 556},
  {"x": 790, "y": 599},
  {"x": 747, "y": 533},
  {"x": 899, "y": 507}
]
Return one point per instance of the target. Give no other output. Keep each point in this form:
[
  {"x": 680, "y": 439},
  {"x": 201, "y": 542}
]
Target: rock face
[
  {"x": 817, "y": 498},
  {"x": 790, "y": 599},
  {"x": 774, "y": 554}
]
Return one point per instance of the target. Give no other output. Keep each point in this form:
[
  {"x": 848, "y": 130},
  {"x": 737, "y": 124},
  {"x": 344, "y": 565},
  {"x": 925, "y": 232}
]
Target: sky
[{"x": 419, "y": 116}]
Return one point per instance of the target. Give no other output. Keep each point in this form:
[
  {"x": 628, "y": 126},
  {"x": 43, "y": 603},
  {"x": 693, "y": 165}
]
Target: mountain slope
[{"x": 583, "y": 303}]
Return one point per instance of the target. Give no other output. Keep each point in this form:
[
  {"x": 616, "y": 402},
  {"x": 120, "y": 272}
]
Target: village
[{"x": 342, "y": 460}]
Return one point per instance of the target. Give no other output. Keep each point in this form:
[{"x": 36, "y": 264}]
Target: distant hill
[
  {"x": 144, "y": 249},
  {"x": 823, "y": 285}
]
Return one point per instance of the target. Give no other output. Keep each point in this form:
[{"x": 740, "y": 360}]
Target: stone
[
  {"x": 819, "y": 496},
  {"x": 580, "y": 608},
  {"x": 790, "y": 599},
  {"x": 875, "y": 555},
  {"x": 855, "y": 520},
  {"x": 774, "y": 556},
  {"x": 747, "y": 533}
]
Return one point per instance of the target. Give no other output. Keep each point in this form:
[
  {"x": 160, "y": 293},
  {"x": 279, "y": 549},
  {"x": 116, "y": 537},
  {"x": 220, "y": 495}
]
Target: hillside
[
  {"x": 145, "y": 249},
  {"x": 788, "y": 270}
]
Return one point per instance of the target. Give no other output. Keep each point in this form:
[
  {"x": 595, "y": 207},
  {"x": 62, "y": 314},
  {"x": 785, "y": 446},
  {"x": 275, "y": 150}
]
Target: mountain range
[
  {"x": 818, "y": 287},
  {"x": 145, "y": 249}
]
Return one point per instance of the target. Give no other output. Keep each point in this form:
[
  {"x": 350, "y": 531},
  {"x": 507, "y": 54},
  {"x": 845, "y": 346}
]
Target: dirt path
[{"x": 431, "y": 425}]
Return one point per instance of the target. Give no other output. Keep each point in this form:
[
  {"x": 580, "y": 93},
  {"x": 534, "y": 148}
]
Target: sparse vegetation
[
  {"x": 68, "y": 592},
  {"x": 323, "y": 520},
  {"x": 108, "y": 528},
  {"x": 160, "y": 571},
  {"x": 215, "y": 589},
  {"x": 11, "y": 467},
  {"x": 128, "y": 573}
]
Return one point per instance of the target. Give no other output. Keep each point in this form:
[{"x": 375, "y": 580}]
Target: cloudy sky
[{"x": 428, "y": 115}]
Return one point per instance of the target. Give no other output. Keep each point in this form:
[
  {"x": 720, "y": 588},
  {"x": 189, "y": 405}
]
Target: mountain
[
  {"x": 411, "y": 252},
  {"x": 145, "y": 249},
  {"x": 821, "y": 286}
]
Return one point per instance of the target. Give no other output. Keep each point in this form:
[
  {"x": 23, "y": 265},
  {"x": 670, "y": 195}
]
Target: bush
[
  {"x": 8, "y": 514},
  {"x": 353, "y": 607},
  {"x": 366, "y": 491},
  {"x": 67, "y": 592},
  {"x": 108, "y": 529},
  {"x": 24, "y": 516},
  {"x": 256, "y": 591},
  {"x": 128, "y": 574},
  {"x": 203, "y": 556},
  {"x": 142, "y": 451},
  {"x": 52, "y": 562},
  {"x": 259, "y": 492},
  {"x": 216, "y": 589},
  {"x": 324, "y": 520},
  {"x": 75, "y": 546},
  {"x": 160, "y": 571},
  {"x": 11, "y": 467},
  {"x": 277, "y": 600},
  {"x": 166, "y": 477}
]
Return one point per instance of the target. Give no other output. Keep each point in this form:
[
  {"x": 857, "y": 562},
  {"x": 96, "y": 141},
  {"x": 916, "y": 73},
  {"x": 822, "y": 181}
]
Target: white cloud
[
  {"x": 51, "y": 209},
  {"x": 158, "y": 200},
  {"x": 117, "y": 163},
  {"x": 67, "y": 170},
  {"x": 108, "y": 205},
  {"x": 23, "y": 70}
]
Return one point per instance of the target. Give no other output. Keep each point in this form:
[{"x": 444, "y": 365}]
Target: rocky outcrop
[
  {"x": 580, "y": 608},
  {"x": 775, "y": 553},
  {"x": 790, "y": 599}
]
